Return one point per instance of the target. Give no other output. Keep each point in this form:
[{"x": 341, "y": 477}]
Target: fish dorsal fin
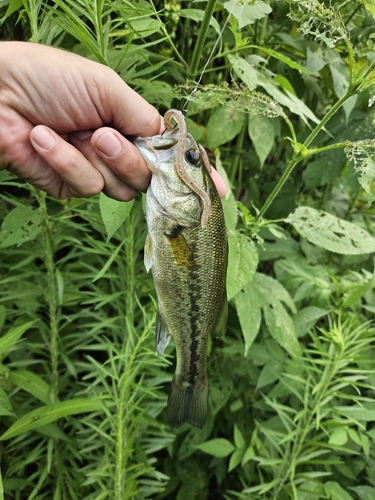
[
  {"x": 182, "y": 253},
  {"x": 148, "y": 253},
  {"x": 221, "y": 323},
  {"x": 162, "y": 334}
]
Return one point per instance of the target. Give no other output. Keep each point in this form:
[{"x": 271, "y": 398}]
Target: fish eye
[{"x": 192, "y": 156}]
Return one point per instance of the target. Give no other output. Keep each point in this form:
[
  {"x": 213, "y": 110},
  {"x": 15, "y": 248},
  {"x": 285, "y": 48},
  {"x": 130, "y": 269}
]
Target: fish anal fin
[
  {"x": 182, "y": 253},
  {"x": 187, "y": 404},
  {"x": 162, "y": 334},
  {"x": 221, "y": 323},
  {"x": 148, "y": 253}
]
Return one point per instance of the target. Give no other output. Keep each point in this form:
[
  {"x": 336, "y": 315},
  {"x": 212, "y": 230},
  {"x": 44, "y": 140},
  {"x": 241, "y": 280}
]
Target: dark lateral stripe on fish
[{"x": 195, "y": 356}]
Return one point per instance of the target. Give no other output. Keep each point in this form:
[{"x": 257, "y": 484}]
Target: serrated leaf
[
  {"x": 224, "y": 124},
  {"x": 50, "y": 413},
  {"x": 262, "y": 134},
  {"x": 331, "y": 233},
  {"x": 13, "y": 335},
  {"x": 273, "y": 290},
  {"x": 114, "y": 213},
  {"x": 20, "y": 225},
  {"x": 247, "y": 13},
  {"x": 281, "y": 327},
  {"x": 218, "y": 447},
  {"x": 32, "y": 383},
  {"x": 244, "y": 71},
  {"x": 278, "y": 321},
  {"x": 292, "y": 102},
  {"x": 249, "y": 314},
  {"x": 242, "y": 262},
  {"x": 362, "y": 154}
]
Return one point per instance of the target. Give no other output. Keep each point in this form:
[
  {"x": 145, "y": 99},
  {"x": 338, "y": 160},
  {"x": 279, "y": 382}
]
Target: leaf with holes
[{"x": 331, "y": 233}]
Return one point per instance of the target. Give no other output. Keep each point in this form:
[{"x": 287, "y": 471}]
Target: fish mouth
[{"x": 155, "y": 149}]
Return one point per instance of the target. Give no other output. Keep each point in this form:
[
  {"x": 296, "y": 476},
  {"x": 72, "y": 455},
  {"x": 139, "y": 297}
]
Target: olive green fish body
[{"x": 188, "y": 259}]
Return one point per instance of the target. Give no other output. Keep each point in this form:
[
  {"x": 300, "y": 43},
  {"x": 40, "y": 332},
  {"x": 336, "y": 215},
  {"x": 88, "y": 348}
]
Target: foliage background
[{"x": 285, "y": 110}]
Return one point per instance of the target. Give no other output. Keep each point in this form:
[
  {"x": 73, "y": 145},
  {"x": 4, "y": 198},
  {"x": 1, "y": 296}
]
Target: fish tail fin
[{"x": 187, "y": 404}]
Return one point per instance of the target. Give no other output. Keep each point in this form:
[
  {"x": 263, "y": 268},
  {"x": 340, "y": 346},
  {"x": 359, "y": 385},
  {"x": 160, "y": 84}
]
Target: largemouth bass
[{"x": 186, "y": 248}]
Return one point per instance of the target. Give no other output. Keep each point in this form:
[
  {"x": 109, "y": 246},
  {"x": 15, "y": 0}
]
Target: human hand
[{"x": 63, "y": 120}]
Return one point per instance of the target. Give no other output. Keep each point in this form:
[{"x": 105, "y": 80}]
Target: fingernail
[
  {"x": 109, "y": 144},
  {"x": 81, "y": 135},
  {"x": 43, "y": 137}
]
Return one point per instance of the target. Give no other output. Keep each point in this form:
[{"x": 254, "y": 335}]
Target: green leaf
[
  {"x": 331, "y": 233},
  {"x": 224, "y": 124},
  {"x": 197, "y": 15},
  {"x": 357, "y": 291},
  {"x": 235, "y": 459},
  {"x": 114, "y": 213},
  {"x": 249, "y": 314},
  {"x": 270, "y": 372},
  {"x": 20, "y": 225},
  {"x": 242, "y": 262},
  {"x": 292, "y": 102},
  {"x": 306, "y": 318},
  {"x": 3, "y": 313},
  {"x": 107, "y": 265},
  {"x": 32, "y": 383},
  {"x": 229, "y": 203},
  {"x": 244, "y": 70},
  {"x": 50, "y": 413},
  {"x": 272, "y": 290},
  {"x": 335, "y": 492},
  {"x": 13, "y": 335},
  {"x": 285, "y": 59},
  {"x": 365, "y": 413},
  {"x": 362, "y": 154},
  {"x": 338, "y": 437},
  {"x": 247, "y": 13},
  {"x": 278, "y": 321},
  {"x": 218, "y": 447},
  {"x": 364, "y": 492},
  {"x": 5, "y": 404},
  {"x": 262, "y": 133},
  {"x": 239, "y": 440}
]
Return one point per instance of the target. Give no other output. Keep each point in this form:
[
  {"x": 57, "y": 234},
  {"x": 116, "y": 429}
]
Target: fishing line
[{"x": 191, "y": 97}]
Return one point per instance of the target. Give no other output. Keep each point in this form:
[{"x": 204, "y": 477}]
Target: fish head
[{"x": 180, "y": 181}]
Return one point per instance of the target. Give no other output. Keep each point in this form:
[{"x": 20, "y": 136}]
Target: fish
[{"x": 187, "y": 250}]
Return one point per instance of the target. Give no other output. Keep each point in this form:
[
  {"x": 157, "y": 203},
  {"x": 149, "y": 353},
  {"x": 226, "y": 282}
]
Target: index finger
[{"x": 125, "y": 110}]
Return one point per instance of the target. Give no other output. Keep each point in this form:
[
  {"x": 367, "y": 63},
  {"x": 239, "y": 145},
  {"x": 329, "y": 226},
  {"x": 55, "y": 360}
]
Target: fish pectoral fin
[
  {"x": 182, "y": 253},
  {"x": 162, "y": 334},
  {"x": 221, "y": 323},
  {"x": 148, "y": 253},
  {"x": 187, "y": 403}
]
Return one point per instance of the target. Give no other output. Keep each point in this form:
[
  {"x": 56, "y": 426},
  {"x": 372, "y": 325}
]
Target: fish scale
[{"x": 186, "y": 249}]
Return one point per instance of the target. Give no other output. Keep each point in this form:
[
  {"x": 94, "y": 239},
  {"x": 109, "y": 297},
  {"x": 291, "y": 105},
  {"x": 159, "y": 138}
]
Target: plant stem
[
  {"x": 237, "y": 157},
  {"x": 130, "y": 272},
  {"x": 51, "y": 297},
  {"x": 198, "y": 50},
  {"x": 166, "y": 34},
  {"x": 326, "y": 118},
  {"x": 297, "y": 157}
]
